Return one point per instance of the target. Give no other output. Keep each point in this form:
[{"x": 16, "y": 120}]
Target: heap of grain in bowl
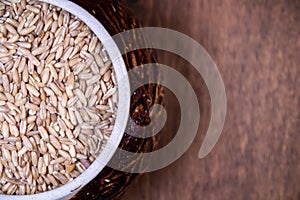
[{"x": 58, "y": 97}]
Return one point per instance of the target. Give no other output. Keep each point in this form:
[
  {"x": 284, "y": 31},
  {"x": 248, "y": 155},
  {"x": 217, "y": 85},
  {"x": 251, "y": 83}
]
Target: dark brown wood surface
[{"x": 256, "y": 45}]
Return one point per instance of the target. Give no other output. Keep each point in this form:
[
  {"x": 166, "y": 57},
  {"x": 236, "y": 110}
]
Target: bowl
[{"x": 107, "y": 18}]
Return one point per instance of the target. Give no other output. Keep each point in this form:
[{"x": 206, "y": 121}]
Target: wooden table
[{"x": 256, "y": 45}]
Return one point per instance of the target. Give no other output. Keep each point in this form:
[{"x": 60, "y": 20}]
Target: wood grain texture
[{"x": 256, "y": 45}]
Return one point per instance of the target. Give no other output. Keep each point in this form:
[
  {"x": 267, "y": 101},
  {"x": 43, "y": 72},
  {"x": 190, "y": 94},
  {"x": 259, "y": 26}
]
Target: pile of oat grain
[{"x": 58, "y": 97}]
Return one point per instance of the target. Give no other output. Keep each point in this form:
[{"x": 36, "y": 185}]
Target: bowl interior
[{"x": 101, "y": 161}]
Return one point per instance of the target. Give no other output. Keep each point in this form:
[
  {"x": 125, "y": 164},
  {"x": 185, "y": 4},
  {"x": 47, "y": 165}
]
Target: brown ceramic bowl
[
  {"x": 111, "y": 18},
  {"x": 115, "y": 18}
]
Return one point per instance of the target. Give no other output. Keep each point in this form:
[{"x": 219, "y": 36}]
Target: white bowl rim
[{"x": 101, "y": 161}]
